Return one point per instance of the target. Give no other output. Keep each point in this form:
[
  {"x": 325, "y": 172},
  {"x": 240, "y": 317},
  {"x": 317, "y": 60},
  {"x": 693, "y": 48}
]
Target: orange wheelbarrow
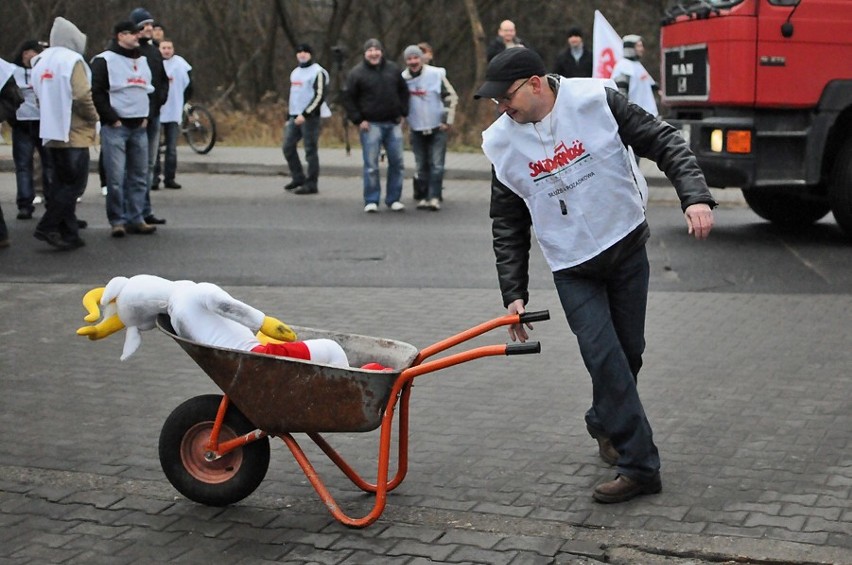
[{"x": 214, "y": 449}]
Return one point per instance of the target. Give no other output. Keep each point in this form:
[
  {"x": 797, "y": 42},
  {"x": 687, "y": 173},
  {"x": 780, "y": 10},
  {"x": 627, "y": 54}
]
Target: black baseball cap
[
  {"x": 125, "y": 26},
  {"x": 506, "y": 68}
]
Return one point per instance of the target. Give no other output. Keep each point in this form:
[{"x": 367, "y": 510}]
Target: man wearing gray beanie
[
  {"x": 632, "y": 78},
  {"x": 376, "y": 100},
  {"x": 431, "y": 111}
]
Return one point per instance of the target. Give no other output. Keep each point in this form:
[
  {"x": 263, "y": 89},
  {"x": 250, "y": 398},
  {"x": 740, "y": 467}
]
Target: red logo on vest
[
  {"x": 562, "y": 156},
  {"x": 46, "y": 75}
]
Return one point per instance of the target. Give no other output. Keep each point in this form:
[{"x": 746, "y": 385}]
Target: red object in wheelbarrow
[{"x": 215, "y": 449}]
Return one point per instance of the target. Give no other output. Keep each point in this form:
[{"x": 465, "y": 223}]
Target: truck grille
[{"x": 687, "y": 73}]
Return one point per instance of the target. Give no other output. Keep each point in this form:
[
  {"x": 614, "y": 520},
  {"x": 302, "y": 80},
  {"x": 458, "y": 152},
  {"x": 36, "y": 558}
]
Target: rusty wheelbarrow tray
[{"x": 215, "y": 449}]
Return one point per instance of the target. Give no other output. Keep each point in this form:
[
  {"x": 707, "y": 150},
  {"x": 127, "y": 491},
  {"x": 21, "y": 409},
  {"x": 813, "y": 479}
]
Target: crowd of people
[
  {"x": 132, "y": 95},
  {"x": 58, "y": 105},
  {"x": 379, "y": 98}
]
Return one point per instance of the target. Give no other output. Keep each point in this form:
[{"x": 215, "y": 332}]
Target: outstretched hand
[{"x": 699, "y": 220}]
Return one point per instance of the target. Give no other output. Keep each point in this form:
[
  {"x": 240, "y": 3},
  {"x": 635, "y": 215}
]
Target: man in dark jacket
[
  {"x": 575, "y": 60},
  {"x": 563, "y": 165},
  {"x": 376, "y": 100},
  {"x": 147, "y": 47},
  {"x": 506, "y": 39},
  {"x": 10, "y": 99}
]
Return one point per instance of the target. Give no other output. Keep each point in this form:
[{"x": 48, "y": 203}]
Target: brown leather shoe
[
  {"x": 605, "y": 448},
  {"x": 142, "y": 228},
  {"x": 623, "y": 488}
]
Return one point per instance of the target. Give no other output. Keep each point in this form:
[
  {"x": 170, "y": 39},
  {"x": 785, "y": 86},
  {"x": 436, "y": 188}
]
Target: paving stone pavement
[
  {"x": 754, "y": 434},
  {"x": 748, "y": 396}
]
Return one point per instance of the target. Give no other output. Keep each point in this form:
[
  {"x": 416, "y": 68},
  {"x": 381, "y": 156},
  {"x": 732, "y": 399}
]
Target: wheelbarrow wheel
[{"x": 220, "y": 482}]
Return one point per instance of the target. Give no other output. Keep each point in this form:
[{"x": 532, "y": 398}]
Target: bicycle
[{"x": 198, "y": 128}]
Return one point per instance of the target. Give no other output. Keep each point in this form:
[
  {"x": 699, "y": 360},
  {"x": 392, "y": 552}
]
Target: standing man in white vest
[
  {"x": 308, "y": 90},
  {"x": 10, "y": 100},
  {"x": 431, "y": 111},
  {"x": 180, "y": 90},
  {"x": 67, "y": 120},
  {"x": 564, "y": 167},
  {"x": 121, "y": 82},
  {"x": 26, "y": 140},
  {"x": 632, "y": 78}
]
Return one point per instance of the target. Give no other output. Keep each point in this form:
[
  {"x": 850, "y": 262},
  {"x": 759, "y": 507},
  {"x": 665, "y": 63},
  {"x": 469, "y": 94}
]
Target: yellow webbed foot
[
  {"x": 99, "y": 331},
  {"x": 276, "y": 329}
]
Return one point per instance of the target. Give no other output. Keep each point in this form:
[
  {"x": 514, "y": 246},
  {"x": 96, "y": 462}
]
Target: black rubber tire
[
  {"x": 840, "y": 188},
  {"x": 200, "y": 130},
  {"x": 788, "y": 211},
  {"x": 218, "y": 483}
]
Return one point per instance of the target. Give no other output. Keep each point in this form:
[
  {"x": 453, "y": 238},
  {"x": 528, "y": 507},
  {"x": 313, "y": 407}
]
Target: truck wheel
[
  {"x": 788, "y": 211},
  {"x": 840, "y": 188},
  {"x": 223, "y": 481}
]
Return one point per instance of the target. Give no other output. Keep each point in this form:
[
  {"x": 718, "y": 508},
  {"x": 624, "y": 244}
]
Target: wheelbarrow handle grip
[
  {"x": 523, "y": 348},
  {"x": 539, "y": 316}
]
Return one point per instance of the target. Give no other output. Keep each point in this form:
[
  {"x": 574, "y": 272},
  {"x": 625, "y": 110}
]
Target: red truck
[{"x": 762, "y": 89}]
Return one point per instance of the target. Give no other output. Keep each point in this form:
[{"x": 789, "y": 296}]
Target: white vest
[
  {"x": 129, "y": 84},
  {"x": 7, "y": 69},
  {"x": 302, "y": 81},
  {"x": 580, "y": 183},
  {"x": 425, "y": 106},
  {"x": 640, "y": 90},
  {"x": 177, "y": 70},
  {"x": 52, "y": 70},
  {"x": 28, "y": 111}
]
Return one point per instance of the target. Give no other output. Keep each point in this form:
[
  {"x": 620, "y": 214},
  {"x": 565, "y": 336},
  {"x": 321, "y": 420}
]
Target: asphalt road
[{"x": 245, "y": 230}]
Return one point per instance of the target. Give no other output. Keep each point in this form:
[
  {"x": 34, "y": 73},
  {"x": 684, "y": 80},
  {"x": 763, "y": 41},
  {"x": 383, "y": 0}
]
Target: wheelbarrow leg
[
  {"x": 382, "y": 485},
  {"x": 402, "y": 458}
]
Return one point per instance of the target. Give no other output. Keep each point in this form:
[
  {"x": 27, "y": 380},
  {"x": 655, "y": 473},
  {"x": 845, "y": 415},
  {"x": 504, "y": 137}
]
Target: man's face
[
  {"x": 128, "y": 39},
  {"x": 146, "y": 30},
  {"x": 517, "y": 102},
  {"x": 373, "y": 55},
  {"x": 157, "y": 33},
  {"x": 507, "y": 31},
  {"x": 575, "y": 41},
  {"x": 303, "y": 57},
  {"x": 167, "y": 49},
  {"x": 640, "y": 49},
  {"x": 414, "y": 63}
]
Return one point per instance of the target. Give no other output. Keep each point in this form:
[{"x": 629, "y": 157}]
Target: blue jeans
[
  {"x": 309, "y": 133},
  {"x": 170, "y": 133},
  {"x": 606, "y": 311},
  {"x": 4, "y": 231},
  {"x": 125, "y": 157},
  {"x": 25, "y": 142},
  {"x": 389, "y": 135},
  {"x": 153, "y": 133},
  {"x": 68, "y": 179},
  {"x": 429, "y": 153}
]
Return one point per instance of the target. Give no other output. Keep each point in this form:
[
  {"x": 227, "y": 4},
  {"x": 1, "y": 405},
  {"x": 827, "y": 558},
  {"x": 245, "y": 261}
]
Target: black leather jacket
[{"x": 650, "y": 138}]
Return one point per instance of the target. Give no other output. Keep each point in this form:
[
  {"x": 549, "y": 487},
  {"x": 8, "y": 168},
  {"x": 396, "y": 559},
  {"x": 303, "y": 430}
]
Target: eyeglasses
[{"x": 508, "y": 97}]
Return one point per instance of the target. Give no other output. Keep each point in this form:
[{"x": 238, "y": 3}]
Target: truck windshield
[{"x": 699, "y": 8}]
